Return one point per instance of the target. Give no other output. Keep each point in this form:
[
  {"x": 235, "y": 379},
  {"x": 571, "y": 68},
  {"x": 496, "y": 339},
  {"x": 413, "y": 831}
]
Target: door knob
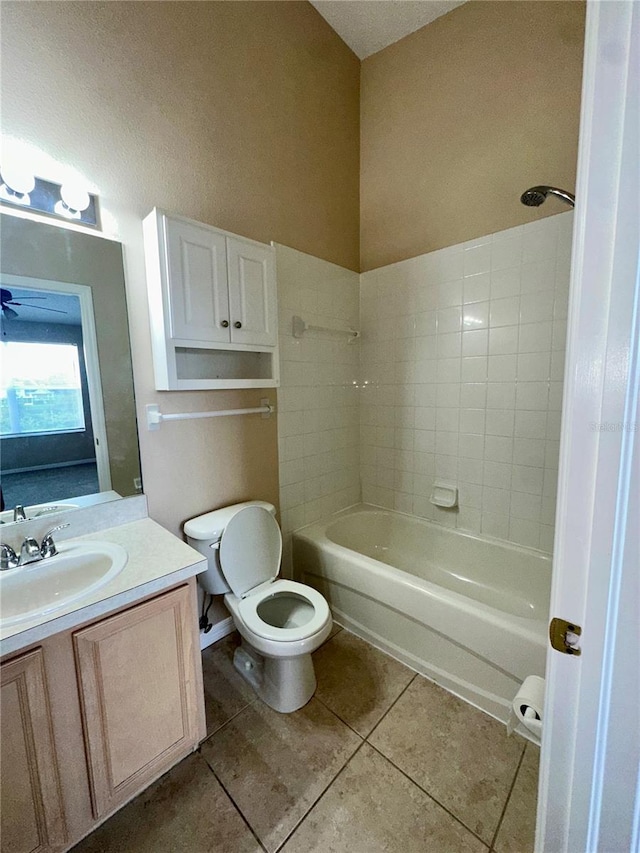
[
  {"x": 237, "y": 324},
  {"x": 224, "y": 324}
]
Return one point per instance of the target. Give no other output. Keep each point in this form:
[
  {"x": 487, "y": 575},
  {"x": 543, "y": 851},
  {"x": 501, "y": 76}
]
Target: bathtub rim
[{"x": 457, "y": 531}]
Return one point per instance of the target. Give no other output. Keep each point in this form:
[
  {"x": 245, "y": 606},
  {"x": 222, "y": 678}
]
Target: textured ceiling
[{"x": 368, "y": 26}]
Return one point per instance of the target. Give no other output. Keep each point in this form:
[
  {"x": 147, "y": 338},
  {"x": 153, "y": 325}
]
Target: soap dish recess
[{"x": 444, "y": 494}]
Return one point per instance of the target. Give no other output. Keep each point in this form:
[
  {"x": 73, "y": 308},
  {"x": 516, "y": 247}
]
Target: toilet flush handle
[{"x": 215, "y": 546}]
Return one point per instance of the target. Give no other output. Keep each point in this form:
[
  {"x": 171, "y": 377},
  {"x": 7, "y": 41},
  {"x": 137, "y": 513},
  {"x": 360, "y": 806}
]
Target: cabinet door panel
[
  {"x": 32, "y": 811},
  {"x": 138, "y": 691},
  {"x": 197, "y": 276},
  {"x": 252, "y": 293}
]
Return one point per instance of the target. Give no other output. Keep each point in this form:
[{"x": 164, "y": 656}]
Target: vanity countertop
[{"x": 156, "y": 560}]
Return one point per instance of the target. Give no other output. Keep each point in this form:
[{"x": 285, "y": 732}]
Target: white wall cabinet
[{"x": 213, "y": 306}]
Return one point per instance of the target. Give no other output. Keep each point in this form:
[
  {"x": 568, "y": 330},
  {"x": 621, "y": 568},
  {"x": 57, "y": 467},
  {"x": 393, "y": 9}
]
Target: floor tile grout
[
  {"x": 393, "y": 704},
  {"x": 235, "y": 805},
  {"x": 506, "y": 802},
  {"x": 431, "y": 797},
  {"x": 226, "y": 722},
  {"x": 320, "y": 796},
  {"x": 335, "y": 714}
]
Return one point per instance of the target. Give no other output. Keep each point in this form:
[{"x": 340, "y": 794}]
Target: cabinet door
[
  {"x": 252, "y": 293},
  {"x": 32, "y": 811},
  {"x": 197, "y": 282},
  {"x": 139, "y": 695}
]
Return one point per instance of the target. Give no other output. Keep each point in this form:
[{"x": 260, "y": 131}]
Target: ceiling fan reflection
[{"x": 10, "y": 313}]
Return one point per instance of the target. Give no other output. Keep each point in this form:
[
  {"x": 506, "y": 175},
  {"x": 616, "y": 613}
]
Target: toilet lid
[{"x": 250, "y": 549}]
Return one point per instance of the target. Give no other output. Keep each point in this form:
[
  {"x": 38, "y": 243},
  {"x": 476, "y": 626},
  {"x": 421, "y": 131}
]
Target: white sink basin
[{"x": 41, "y": 588}]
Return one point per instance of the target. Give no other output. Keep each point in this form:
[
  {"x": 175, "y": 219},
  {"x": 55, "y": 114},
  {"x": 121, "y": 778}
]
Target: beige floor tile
[
  {"x": 518, "y": 828},
  {"x": 459, "y": 755},
  {"x": 225, "y": 690},
  {"x": 275, "y": 766},
  {"x": 186, "y": 811},
  {"x": 372, "y": 807},
  {"x": 359, "y": 683}
]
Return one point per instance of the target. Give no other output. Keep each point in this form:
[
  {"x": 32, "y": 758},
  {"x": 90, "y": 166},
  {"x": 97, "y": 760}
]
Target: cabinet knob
[
  {"x": 237, "y": 324},
  {"x": 225, "y": 324}
]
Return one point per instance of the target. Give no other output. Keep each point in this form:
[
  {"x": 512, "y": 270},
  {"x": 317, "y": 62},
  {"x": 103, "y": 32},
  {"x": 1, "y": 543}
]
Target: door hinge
[{"x": 565, "y": 636}]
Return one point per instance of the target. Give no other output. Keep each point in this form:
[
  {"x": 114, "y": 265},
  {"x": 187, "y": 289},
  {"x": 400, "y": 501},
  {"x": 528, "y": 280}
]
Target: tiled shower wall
[
  {"x": 462, "y": 359},
  {"x": 318, "y": 415}
]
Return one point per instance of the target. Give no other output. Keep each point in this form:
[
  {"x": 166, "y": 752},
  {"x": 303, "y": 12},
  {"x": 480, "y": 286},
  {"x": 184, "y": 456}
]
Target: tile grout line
[
  {"x": 235, "y": 805},
  {"x": 393, "y": 704},
  {"x": 321, "y": 795},
  {"x": 504, "y": 809},
  {"x": 335, "y": 714},
  {"x": 431, "y": 797},
  {"x": 226, "y": 722}
]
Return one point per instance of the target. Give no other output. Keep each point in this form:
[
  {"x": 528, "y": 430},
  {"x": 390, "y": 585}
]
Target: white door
[
  {"x": 252, "y": 293},
  {"x": 197, "y": 274},
  {"x": 589, "y": 796}
]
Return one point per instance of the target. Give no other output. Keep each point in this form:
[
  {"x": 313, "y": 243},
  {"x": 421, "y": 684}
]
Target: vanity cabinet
[
  {"x": 94, "y": 715},
  {"x": 31, "y": 799},
  {"x": 213, "y": 306}
]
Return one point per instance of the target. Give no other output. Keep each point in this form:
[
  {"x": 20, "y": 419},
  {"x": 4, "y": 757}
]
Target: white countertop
[{"x": 156, "y": 560}]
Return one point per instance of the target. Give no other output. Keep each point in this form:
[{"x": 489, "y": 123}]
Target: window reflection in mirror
[{"x": 67, "y": 415}]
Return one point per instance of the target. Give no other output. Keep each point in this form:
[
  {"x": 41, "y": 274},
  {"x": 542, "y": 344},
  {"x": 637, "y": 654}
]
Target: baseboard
[{"x": 217, "y": 632}]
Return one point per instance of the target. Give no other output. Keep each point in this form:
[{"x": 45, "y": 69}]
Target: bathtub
[{"x": 468, "y": 612}]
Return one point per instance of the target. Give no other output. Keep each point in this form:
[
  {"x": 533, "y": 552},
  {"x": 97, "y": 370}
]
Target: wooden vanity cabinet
[
  {"x": 124, "y": 704},
  {"x": 30, "y": 795},
  {"x": 137, "y": 693}
]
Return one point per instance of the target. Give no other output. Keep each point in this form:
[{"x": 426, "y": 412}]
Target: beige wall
[
  {"x": 459, "y": 118},
  {"x": 242, "y": 115}
]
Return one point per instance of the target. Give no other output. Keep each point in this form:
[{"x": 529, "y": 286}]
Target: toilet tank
[{"x": 204, "y": 533}]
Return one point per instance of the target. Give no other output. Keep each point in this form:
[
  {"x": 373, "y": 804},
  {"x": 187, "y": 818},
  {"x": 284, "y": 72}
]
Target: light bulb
[
  {"x": 75, "y": 197},
  {"x": 17, "y": 183}
]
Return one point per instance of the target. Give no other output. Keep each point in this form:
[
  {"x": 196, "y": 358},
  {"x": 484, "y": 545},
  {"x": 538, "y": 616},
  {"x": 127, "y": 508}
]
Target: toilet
[{"x": 281, "y": 622}]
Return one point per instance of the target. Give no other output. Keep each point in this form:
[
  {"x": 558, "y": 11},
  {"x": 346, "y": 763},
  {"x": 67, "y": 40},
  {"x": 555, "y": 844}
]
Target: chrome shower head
[{"x": 535, "y": 196}]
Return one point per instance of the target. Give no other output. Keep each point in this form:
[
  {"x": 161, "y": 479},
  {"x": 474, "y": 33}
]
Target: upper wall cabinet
[{"x": 212, "y": 299}]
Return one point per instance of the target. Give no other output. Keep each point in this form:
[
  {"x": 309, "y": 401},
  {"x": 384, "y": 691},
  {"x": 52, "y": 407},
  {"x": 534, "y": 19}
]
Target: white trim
[
  {"x": 217, "y": 632},
  {"x": 91, "y": 360},
  {"x": 591, "y": 738}
]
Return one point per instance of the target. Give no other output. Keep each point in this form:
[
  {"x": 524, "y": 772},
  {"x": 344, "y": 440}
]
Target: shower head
[{"x": 535, "y": 196}]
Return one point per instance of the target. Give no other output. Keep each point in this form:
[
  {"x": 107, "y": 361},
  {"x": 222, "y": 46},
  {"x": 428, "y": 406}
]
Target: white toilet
[{"x": 281, "y": 622}]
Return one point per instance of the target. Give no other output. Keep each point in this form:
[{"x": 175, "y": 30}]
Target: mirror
[{"x": 68, "y": 432}]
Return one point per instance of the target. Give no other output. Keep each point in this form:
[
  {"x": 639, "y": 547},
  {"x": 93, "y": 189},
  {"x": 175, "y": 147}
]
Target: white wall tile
[
  {"x": 473, "y": 395},
  {"x": 476, "y": 288},
  {"x": 475, "y": 342},
  {"x": 477, "y": 259},
  {"x": 482, "y": 407},
  {"x": 504, "y": 312},
  {"x": 503, "y": 340}
]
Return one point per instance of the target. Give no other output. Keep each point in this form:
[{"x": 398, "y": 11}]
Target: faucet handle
[
  {"x": 48, "y": 546},
  {"x": 8, "y": 557}
]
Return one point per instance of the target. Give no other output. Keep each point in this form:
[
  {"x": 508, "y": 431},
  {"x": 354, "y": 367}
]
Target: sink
[
  {"x": 37, "y": 511},
  {"x": 42, "y": 588}
]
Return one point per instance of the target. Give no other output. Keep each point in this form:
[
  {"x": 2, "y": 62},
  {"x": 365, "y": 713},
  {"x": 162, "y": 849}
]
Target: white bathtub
[{"x": 468, "y": 612}]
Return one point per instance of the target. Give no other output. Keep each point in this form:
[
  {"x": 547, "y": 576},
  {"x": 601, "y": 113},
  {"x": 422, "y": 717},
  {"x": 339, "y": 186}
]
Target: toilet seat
[
  {"x": 250, "y": 550},
  {"x": 248, "y": 611}
]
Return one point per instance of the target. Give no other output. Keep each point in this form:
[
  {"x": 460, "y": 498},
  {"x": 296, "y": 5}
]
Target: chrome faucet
[
  {"x": 30, "y": 551},
  {"x": 19, "y": 514}
]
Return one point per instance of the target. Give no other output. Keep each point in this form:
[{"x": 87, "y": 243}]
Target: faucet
[
  {"x": 18, "y": 513},
  {"x": 30, "y": 551}
]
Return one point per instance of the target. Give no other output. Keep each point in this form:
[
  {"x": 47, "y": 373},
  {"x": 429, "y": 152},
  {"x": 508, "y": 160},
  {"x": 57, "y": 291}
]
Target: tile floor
[{"x": 380, "y": 760}]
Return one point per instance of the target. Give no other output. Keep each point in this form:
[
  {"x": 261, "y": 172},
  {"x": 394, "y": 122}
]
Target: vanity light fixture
[
  {"x": 17, "y": 184},
  {"x": 70, "y": 201}
]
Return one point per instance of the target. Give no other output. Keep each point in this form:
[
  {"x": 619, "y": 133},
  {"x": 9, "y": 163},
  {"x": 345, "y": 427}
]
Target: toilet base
[{"x": 284, "y": 684}]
